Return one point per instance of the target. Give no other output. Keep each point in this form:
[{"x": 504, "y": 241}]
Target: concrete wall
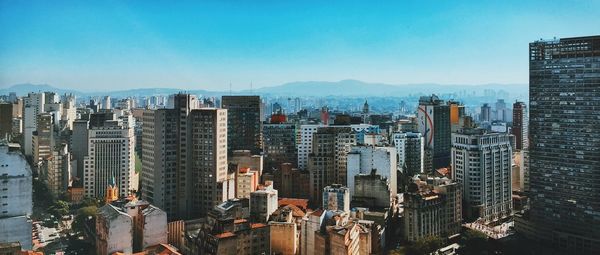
[
  {"x": 16, "y": 229},
  {"x": 283, "y": 237}
]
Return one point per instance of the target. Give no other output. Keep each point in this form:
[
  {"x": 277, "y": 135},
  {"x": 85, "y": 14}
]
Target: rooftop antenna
[
  {"x": 251, "y": 90},
  {"x": 230, "y": 88}
]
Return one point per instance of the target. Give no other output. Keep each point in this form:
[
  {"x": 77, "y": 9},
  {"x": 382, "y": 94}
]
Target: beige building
[
  {"x": 432, "y": 207},
  {"x": 184, "y": 158},
  {"x": 327, "y": 162}
]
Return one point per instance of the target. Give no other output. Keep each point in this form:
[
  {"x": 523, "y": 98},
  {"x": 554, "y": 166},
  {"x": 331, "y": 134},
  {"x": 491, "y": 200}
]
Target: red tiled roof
[
  {"x": 224, "y": 235},
  {"x": 299, "y": 202},
  {"x": 258, "y": 225}
]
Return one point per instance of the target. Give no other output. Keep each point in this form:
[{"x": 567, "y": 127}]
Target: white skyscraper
[
  {"x": 305, "y": 144},
  {"x": 110, "y": 155}
]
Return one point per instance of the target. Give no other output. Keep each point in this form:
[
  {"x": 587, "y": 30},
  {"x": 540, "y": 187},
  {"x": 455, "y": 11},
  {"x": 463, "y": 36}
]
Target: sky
[{"x": 93, "y": 45}]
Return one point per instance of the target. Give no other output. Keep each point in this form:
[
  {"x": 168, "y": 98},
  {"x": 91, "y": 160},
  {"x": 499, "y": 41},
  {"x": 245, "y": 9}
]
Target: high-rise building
[
  {"x": 481, "y": 163},
  {"x": 372, "y": 159},
  {"x": 279, "y": 143},
  {"x": 16, "y": 199},
  {"x": 410, "y": 149},
  {"x": 520, "y": 125},
  {"x": 79, "y": 144},
  {"x": 42, "y": 138},
  {"x": 6, "y": 119},
  {"x": 486, "y": 113},
  {"x": 305, "y": 145},
  {"x": 184, "y": 158},
  {"x": 564, "y": 150},
  {"x": 328, "y": 160},
  {"x": 244, "y": 123},
  {"x": 33, "y": 104},
  {"x": 434, "y": 124},
  {"x": 457, "y": 112},
  {"x": 110, "y": 155}
]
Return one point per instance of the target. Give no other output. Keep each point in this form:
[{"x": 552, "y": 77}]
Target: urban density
[{"x": 487, "y": 170}]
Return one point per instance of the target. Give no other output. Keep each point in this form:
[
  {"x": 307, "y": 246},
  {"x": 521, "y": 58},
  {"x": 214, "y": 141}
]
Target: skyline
[{"x": 212, "y": 44}]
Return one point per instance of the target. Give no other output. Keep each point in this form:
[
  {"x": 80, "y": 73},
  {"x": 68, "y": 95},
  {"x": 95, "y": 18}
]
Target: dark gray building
[
  {"x": 564, "y": 96},
  {"x": 279, "y": 144},
  {"x": 244, "y": 123}
]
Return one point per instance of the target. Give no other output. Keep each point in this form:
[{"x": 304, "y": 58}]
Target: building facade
[
  {"x": 434, "y": 124},
  {"x": 520, "y": 126},
  {"x": 564, "y": 96},
  {"x": 411, "y": 152},
  {"x": 482, "y": 164},
  {"x": 244, "y": 114}
]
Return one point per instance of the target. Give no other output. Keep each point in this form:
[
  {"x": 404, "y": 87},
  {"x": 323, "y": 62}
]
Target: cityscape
[{"x": 312, "y": 165}]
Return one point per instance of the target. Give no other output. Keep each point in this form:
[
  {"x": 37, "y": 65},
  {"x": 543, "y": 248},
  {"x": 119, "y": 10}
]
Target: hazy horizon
[{"x": 126, "y": 45}]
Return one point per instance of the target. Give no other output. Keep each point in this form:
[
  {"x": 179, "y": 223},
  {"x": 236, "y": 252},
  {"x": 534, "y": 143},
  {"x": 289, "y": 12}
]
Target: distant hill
[{"x": 348, "y": 88}]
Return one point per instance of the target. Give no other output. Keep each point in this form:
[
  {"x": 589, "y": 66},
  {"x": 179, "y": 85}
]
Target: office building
[
  {"x": 411, "y": 152},
  {"x": 481, "y": 163},
  {"x": 520, "y": 126},
  {"x": 486, "y": 113},
  {"x": 434, "y": 124},
  {"x": 328, "y": 159},
  {"x": 279, "y": 142},
  {"x": 33, "y": 104},
  {"x": 184, "y": 158},
  {"x": 110, "y": 155},
  {"x": 16, "y": 200},
  {"x": 305, "y": 145},
  {"x": 564, "y": 150},
  {"x": 244, "y": 122}
]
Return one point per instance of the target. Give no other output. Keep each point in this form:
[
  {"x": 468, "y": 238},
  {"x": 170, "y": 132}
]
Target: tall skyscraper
[
  {"x": 184, "y": 152},
  {"x": 305, "y": 145},
  {"x": 564, "y": 156},
  {"x": 110, "y": 155},
  {"x": 520, "y": 127},
  {"x": 244, "y": 123},
  {"x": 434, "y": 124},
  {"x": 481, "y": 163}
]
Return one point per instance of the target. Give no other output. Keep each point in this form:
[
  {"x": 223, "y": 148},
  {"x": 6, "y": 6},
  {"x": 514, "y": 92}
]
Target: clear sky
[{"x": 90, "y": 45}]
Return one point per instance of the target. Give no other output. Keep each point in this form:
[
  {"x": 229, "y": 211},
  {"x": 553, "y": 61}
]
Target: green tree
[
  {"x": 474, "y": 242},
  {"x": 425, "y": 245},
  {"x": 85, "y": 215},
  {"x": 59, "y": 209}
]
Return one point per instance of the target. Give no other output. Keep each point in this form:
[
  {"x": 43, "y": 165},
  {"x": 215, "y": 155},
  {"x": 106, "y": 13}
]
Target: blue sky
[{"x": 130, "y": 44}]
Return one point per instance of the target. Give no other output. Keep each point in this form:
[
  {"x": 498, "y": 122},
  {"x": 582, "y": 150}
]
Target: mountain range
[{"x": 347, "y": 88}]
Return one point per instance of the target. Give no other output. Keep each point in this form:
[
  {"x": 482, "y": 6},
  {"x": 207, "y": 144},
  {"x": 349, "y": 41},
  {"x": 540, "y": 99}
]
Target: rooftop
[{"x": 12, "y": 162}]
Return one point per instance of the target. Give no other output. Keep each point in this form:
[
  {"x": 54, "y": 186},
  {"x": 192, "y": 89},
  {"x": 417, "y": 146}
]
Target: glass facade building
[{"x": 564, "y": 79}]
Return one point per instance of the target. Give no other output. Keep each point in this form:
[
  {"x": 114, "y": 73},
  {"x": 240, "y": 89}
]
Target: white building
[
  {"x": 263, "y": 202},
  {"x": 482, "y": 165},
  {"x": 305, "y": 144},
  {"x": 33, "y": 104},
  {"x": 363, "y": 159},
  {"x": 15, "y": 196},
  {"x": 129, "y": 226},
  {"x": 110, "y": 155},
  {"x": 411, "y": 152}
]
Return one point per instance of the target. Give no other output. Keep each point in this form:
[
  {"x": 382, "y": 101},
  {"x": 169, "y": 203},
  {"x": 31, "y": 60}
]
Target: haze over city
[{"x": 208, "y": 45}]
